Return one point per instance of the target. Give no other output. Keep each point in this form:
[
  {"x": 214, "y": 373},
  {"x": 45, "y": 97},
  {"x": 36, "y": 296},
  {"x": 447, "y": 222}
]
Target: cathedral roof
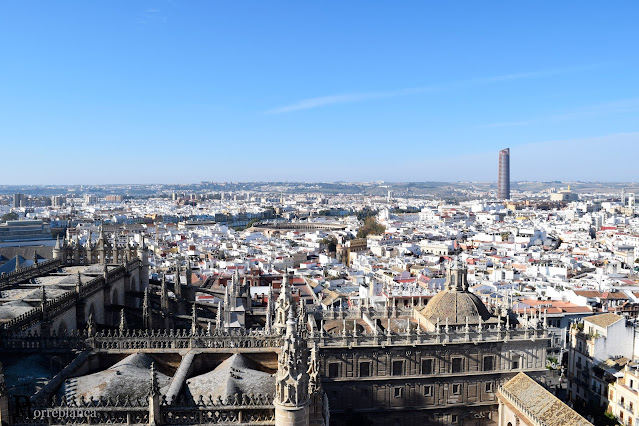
[
  {"x": 129, "y": 377},
  {"x": 456, "y": 306},
  {"x": 237, "y": 374}
]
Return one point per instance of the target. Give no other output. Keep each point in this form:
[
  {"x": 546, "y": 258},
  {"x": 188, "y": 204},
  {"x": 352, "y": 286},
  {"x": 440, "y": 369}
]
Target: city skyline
[{"x": 164, "y": 92}]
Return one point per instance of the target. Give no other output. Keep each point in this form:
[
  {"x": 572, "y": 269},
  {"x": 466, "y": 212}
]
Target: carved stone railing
[
  {"x": 356, "y": 312},
  {"x": 414, "y": 337},
  {"x": 135, "y": 340},
  {"x": 61, "y": 303},
  {"x": 29, "y": 342},
  {"x": 238, "y": 409},
  {"x": 53, "y": 307},
  {"x": 15, "y": 277}
]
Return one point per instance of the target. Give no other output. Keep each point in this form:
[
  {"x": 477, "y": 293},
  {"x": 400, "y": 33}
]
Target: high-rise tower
[{"x": 503, "y": 181}]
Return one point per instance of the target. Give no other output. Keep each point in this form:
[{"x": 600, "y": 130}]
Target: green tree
[
  {"x": 330, "y": 242},
  {"x": 9, "y": 216},
  {"x": 371, "y": 227}
]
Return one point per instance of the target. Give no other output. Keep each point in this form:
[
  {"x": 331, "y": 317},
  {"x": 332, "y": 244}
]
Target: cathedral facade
[{"x": 233, "y": 363}]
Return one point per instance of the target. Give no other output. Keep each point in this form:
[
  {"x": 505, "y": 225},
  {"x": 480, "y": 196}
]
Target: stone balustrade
[{"x": 15, "y": 277}]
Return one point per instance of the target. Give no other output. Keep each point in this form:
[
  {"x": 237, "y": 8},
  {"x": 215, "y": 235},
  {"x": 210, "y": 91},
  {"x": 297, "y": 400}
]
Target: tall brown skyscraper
[{"x": 503, "y": 181}]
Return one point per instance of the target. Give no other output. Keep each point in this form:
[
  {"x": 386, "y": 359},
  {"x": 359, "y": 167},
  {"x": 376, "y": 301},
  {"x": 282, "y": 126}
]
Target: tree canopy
[
  {"x": 9, "y": 216},
  {"x": 371, "y": 227}
]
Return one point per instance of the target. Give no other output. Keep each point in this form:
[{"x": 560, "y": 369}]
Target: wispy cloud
[
  {"x": 322, "y": 101},
  {"x": 152, "y": 16},
  {"x": 620, "y": 106}
]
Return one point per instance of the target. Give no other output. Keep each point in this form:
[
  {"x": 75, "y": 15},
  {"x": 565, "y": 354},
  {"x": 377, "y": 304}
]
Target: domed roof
[
  {"x": 456, "y": 306},
  {"x": 456, "y": 303}
]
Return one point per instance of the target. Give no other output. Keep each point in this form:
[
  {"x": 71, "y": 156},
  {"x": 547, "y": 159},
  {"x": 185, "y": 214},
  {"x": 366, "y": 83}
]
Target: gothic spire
[
  {"x": 146, "y": 312},
  {"x": 291, "y": 383},
  {"x": 122, "y": 326},
  {"x": 313, "y": 371},
  {"x": 154, "y": 388},
  {"x": 43, "y": 300},
  {"x": 218, "y": 316},
  {"x": 194, "y": 320},
  {"x": 90, "y": 325}
]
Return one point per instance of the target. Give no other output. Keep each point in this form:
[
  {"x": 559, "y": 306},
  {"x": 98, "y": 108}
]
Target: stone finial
[
  {"x": 146, "y": 311},
  {"x": 218, "y": 317},
  {"x": 43, "y": 300},
  {"x": 194, "y": 319},
  {"x": 302, "y": 309},
  {"x": 269, "y": 311},
  {"x": 122, "y": 327},
  {"x": 313, "y": 371},
  {"x": 78, "y": 284},
  {"x": 90, "y": 325},
  {"x": 154, "y": 388},
  {"x": 164, "y": 294},
  {"x": 283, "y": 304}
]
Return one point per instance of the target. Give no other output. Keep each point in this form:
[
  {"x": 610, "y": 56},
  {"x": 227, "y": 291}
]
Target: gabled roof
[
  {"x": 540, "y": 404},
  {"x": 603, "y": 320}
]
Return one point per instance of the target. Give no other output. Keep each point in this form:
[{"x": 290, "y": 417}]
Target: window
[
  {"x": 489, "y": 387},
  {"x": 365, "y": 369},
  {"x": 428, "y": 390},
  {"x": 630, "y": 408},
  {"x": 489, "y": 363},
  {"x": 427, "y": 366},
  {"x": 456, "y": 389},
  {"x": 454, "y": 418},
  {"x": 333, "y": 369},
  {"x": 515, "y": 365},
  {"x": 398, "y": 368},
  {"x": 456, "y": 365},
  {"x": 632, "y": 384},
  {"x": 398, "y": 392},
  {"x": 622, "y": 400}
]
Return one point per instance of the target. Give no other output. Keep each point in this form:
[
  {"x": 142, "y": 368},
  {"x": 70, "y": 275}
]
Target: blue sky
[{"x": 183, "y": 91}]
